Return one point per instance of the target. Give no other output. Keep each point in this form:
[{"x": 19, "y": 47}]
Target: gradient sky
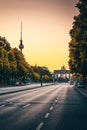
[{"x": 46, "y": 26}]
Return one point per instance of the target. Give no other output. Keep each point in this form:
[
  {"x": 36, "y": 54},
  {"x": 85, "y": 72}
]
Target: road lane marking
[
  {"x": 51, "y": 108},
  {"x": 11, "y": 102},
  {"x": 40, "y": 126},
  {"x": 26, "y": 105},
  {"x": 56, "y": 100},
  {"x": 47, "y": 115},
  {"x": 2, "y": 105}
]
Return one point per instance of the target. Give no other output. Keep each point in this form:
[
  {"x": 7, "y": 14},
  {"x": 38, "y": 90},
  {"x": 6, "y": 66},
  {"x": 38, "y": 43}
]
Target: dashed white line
[
  {"x": 40, "y": 126},
  {"x": 51, "y": 108},
  {"x": 11, "y": 102},
  {"x": 56, "y": 100},
  {"x": 26, "y": 105},
  {"x": 2, "y": 105},
  {"x": 47, "y": 115}
]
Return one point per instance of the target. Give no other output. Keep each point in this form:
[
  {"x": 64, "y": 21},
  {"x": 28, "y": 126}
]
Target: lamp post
[{"x": 41, "y": 79}]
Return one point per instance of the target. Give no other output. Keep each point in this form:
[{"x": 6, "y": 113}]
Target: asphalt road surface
[{"x": 55, "y": 107}]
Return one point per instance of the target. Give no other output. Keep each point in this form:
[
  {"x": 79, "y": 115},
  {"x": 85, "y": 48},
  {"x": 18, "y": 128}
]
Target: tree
[
  {"x": 22, "y": 65},
  {"x": 47, "y": 78},
  {"x": 78, "y": 43},
  {"x": 6, "y": 70},
  {"x": 1, "y": 64},
  {"x": 4, "y": 43},
  {"x": 13, "y": 66},
  {"x": 36, "y": 76}
]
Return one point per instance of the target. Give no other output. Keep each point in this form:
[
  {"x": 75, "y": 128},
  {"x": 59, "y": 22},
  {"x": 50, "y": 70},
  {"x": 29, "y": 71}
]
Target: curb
[
  {"x": 83, "y": 93},
  {"x": 14, "y": 91}
]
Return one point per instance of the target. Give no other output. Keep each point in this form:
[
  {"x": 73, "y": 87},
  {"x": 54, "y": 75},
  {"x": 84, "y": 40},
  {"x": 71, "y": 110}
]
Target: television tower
[{"x": 21, "y": 46}]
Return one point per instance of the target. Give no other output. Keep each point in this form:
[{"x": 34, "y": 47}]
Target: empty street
[{"x": 53, "y": 107}]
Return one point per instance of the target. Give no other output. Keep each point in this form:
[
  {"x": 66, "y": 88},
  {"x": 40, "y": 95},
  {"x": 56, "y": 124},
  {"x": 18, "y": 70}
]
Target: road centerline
[
  {"x": 47, "y": 115},
  {"x": 56, "y": 101},
  {"x": 51, "y": 108},
  {"x": 40, "y": 126},
  {"x": 2, "y": 105},
  {"x": 26, "y": 105}
]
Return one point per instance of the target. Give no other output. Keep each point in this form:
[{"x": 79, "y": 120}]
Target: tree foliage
[
  {"x": 14, "y": 68},
  {"x": 37, "y": 73},
  {"x": 78, "y": 43},
  {"x": 13, "y": 65}
]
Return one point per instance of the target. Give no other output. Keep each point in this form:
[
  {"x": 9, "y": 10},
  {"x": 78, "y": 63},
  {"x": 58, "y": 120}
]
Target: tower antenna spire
[
  {"x": 21, "y": 46},
  {"x": 21, "y": 30}
]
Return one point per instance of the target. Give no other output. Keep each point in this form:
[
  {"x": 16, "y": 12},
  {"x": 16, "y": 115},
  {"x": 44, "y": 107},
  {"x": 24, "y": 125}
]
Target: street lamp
[{"x": 41, "y": 79}]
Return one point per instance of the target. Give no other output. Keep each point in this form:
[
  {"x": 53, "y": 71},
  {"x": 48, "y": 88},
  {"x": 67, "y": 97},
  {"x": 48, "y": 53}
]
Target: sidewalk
[
  {"x": 13, "y": 89},
  {"x": 83, "y": 91}
]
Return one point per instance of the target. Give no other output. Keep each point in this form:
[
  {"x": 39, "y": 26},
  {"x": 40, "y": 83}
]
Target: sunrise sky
[{"x": 46, "y": 26}]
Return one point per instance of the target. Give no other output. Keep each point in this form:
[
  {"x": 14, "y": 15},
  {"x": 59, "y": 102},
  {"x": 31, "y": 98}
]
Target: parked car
[
  {"x": 80, "y": 84},
  {"x": 76, "y": 83},
  {"x": 17, "y": 84},
  {"x": 71, "y": 82}
]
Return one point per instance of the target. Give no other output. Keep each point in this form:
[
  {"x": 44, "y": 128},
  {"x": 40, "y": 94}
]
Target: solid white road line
[
  {"x": 27, "y": 105},
  {"x": 2, "y": 105},
  {"x": 40, "y": 126}
]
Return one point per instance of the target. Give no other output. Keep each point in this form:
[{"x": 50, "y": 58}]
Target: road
[
  {"x": 55, "y": 107},
  {"x": 12, "y": 89}
]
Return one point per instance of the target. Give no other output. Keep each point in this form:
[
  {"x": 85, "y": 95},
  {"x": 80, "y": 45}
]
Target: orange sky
[{"x": 46, "y": 26}]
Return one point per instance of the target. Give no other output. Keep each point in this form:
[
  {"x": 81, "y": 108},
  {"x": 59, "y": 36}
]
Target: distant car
[
  {"x": 80, "y": 84},
  {"x": 71, "y": 82},
  {"x": 17, "y": 84}
]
